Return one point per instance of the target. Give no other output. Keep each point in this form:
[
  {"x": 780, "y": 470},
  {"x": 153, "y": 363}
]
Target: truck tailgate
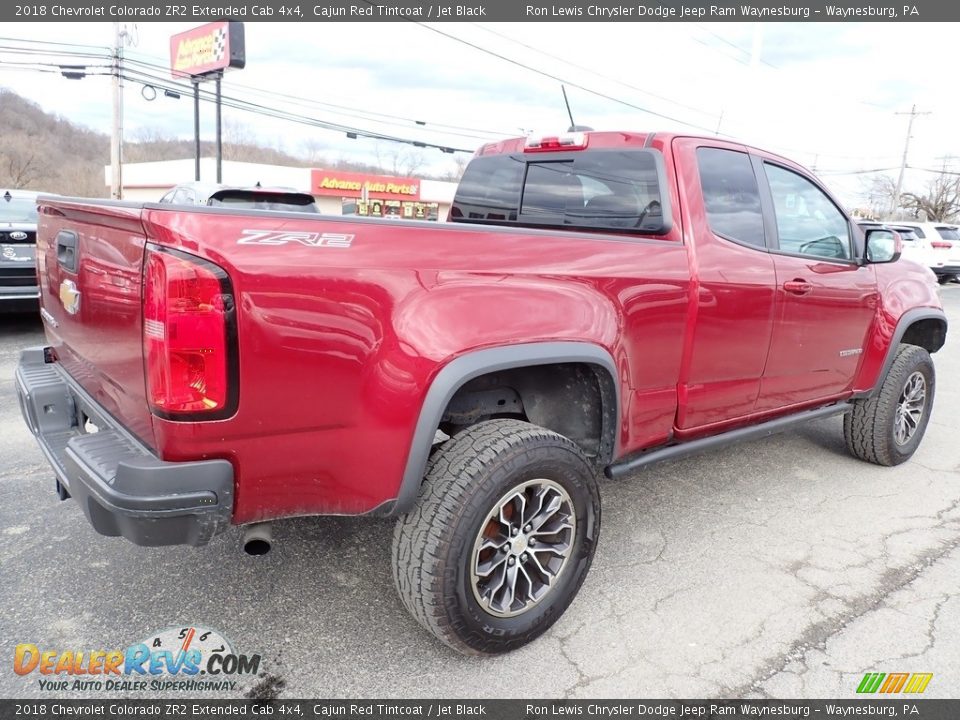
[{"x": 90, "y": 261}]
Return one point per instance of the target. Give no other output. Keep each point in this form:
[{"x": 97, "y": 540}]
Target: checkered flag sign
[{"x": 220, "y": 44}]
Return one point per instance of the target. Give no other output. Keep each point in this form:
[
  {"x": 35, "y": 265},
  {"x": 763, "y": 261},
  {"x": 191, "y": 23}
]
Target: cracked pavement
[{"x": 777, "y": 568}]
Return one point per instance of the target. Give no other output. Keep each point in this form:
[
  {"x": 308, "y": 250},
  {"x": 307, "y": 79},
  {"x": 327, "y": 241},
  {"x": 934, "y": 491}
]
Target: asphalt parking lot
[{"x": 781, "y": 568}]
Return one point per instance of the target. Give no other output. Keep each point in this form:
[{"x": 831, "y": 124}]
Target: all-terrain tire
[
  {"x": 435, "y": 557},
  {"x": 870, "y": 430}
]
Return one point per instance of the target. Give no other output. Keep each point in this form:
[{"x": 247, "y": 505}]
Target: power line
[
  {"x": 346, "y": 111},
  {"x": 358, "y": 114},
  {"x": 556, "y": 78},
  {"x": 142, "y": 77},
  {"x": 837, "y": 173},
  {"x": 139, "y": 76},
  {"x": 593, "y": 72},
  {"x": 932, "y": 170},
  {"x": 733, "y": 45}
]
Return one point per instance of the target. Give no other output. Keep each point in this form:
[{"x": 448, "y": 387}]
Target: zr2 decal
[{"x": 282, "y": 237}]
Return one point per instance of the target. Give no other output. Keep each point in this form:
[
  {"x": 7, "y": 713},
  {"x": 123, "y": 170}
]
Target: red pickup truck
[{"x": 598, "y": 302}]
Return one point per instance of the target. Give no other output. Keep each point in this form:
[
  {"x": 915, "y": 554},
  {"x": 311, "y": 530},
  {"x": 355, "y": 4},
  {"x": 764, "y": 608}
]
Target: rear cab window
[{"x": 591, "y": 190}]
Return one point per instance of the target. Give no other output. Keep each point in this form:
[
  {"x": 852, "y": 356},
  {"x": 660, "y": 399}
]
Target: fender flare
[
  {"x": 466, "y": 367},
  {"x": 903, "y": 324}
]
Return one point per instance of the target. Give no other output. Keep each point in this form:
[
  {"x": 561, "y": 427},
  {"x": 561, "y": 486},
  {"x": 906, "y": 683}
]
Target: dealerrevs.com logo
[{"x": 190, "y": 659}]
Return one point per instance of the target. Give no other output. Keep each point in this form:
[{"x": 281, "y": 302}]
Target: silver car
[
  {"x": 241, "y": 198},
  {"x": 19, "y": 291}
]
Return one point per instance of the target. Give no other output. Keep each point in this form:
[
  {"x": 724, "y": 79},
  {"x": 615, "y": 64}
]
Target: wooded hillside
[{"x": 43, "y": 151}]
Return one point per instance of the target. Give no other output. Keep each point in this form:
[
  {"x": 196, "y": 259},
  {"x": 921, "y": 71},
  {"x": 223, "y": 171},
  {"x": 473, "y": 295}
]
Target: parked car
[
  {"x": 248, "y": 198},
  {"x": 18, "y": 238},
  {"x": 599, "y": 302},
  {"x": 914, "y": 248},
  {"x": 941, "y": 243}
]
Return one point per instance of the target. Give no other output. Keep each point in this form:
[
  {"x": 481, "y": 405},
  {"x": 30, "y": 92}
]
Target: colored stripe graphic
[
  {"x": 918, "y": 682},
  {"x": 870, "y": 682},
  {"x": 895, "y": 682}
]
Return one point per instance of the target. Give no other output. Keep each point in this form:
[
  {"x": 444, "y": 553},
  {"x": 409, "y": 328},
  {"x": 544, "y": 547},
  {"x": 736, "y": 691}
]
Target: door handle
[{"x": 797, "y": 287}]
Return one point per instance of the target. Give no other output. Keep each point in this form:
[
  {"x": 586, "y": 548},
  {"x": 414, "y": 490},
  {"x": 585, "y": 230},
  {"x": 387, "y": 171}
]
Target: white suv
[{"x": 940, "y": 246}]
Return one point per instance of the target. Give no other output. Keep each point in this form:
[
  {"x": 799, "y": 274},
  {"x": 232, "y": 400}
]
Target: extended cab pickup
[{"x": 597, "y": 302}]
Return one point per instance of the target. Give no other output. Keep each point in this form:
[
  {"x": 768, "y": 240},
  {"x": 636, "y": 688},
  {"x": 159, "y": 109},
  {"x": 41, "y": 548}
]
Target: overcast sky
[{"x": 825, "y": 95}]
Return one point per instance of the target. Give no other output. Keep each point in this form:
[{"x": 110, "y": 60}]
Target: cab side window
[
  {"x": 731, "y": 195},
  {"x": 808, "y": 223}
]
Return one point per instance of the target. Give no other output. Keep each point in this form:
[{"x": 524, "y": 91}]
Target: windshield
[{"x": 18, "y": 210}]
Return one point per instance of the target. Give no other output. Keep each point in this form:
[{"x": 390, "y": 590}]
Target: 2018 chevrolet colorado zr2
[{"x": 597, "y": 302}]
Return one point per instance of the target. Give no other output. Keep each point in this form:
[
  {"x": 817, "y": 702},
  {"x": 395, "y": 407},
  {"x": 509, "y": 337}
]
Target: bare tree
[
  {"x": 399, "y": 160},
  {"x": 460, "y": 162},
  {"x": 150, "y": 134},
  {"x": 940, "y": 203},
  {"x": 313, "y": 152},
  {"x": 237, "y": 139},
  {"x": 20, "y": 164},
  {"x": 878, "y": 193}
]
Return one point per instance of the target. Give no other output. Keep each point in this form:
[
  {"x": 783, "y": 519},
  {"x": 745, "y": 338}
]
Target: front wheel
[
  {"x": 501, "y": 539},
  {"x": 887, "y": 428}
]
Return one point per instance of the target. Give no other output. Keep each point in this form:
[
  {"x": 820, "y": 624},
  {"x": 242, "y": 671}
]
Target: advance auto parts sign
[
  {"x": 206, "y": 49},
  {"x": 347, "y": 184}
]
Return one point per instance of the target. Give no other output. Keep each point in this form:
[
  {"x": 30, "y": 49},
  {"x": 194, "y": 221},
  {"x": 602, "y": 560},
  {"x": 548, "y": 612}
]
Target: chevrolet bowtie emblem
[{"x": 70, "y": 296}]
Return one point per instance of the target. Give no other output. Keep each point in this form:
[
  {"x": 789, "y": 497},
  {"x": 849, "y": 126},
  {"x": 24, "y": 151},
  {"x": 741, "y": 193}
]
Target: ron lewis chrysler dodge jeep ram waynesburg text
[{"x": 598, "y": 302}]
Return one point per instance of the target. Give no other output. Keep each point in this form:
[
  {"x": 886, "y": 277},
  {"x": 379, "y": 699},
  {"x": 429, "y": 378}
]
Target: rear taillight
[
  {"x": 941, "y": 244},
  {"x": 189, "y": 337}
]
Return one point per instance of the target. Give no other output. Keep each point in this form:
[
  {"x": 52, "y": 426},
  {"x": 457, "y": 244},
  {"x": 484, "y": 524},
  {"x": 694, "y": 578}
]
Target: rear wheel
[
  {"x": 887, "y": 428},
  {"x": 501, "y": 539}
]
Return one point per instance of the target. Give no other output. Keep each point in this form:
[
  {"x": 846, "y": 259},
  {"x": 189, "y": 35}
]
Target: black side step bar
[{"x": 694, "y": 447}]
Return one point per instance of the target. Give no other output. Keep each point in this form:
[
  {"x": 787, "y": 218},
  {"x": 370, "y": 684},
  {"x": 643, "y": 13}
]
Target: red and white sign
[
  {"x": 378, "y": 187},
  {"x": 209, "y": 48}
]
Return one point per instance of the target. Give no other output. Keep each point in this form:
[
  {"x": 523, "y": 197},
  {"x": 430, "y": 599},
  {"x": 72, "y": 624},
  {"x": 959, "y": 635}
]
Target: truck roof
[{"x": 617, "y": 139}]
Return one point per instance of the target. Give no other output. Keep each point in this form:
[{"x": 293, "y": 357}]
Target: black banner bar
[
  {"x": 907, "y": 707},
  {"x": 482, "y": 10}
]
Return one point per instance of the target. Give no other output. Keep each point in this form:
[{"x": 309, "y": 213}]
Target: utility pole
[
  {"x": 895, "y": 200},
  {"x": 219, "y": 77},
  {"x": 196, "y": 127},
  {"x": 116, "y": 140}
]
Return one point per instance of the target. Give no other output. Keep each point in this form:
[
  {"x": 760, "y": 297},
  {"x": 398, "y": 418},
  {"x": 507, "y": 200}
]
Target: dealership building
[{"x": 337, "y": 192}]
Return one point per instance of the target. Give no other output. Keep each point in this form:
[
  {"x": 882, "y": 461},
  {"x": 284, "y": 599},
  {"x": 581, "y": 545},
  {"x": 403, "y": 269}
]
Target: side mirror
[{"x": 883, "y": 246}]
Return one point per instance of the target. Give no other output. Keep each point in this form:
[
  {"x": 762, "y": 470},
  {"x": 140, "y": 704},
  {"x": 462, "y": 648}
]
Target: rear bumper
[
  {"x": 19, "y": 299},
  {"x": 122, "y": 487}
]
